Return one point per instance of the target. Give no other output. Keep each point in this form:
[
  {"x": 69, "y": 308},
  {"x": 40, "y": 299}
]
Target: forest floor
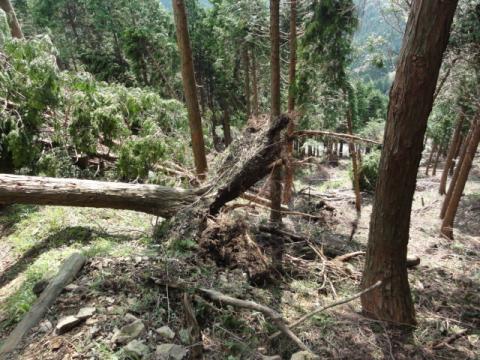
[{"x": 127, "y": 274}]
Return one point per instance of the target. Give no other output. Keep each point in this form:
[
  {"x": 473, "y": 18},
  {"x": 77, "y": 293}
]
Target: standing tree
[
  {"x": 276, "y": 178},
  {"x": 15, "y": 28},
  {"x": 459, "y": 186},
  {"x": 189, "y": 86},
  {"x": 287, "y": 195},
  {"x": 451, "y": 154},
  {"x": 411, "y": 99}
]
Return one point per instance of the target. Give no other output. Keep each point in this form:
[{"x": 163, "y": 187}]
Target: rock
[
  {"x": 136, "y": 349},
  {"x": 45, "y": 326},
  {"x": 304, "y": 355},
  {"x": 130, "y": 318},
  {"x": 71, "y": 287},
  {"x": 85, "y": 313},
  {"x": 165, "y": 332},
  {"x": 67, "y": 323},
  {"x": 129, "y": 332},
  {"x": 274, "y": 357},
  {"x": 412, "y": 261},
  {"x": 171, "y": 352}
]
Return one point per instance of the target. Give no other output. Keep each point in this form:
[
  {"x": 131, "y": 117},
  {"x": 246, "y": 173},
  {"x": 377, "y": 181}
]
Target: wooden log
[
  {"x": 152, "y": 199},
  {"x": 254, "y": 169},
  {"x": 313, "y": 133},
  {"x": 66, "y": 274}
]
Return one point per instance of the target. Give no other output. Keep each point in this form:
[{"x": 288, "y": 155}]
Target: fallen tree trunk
[
  {"x": 307, "y": 133},
  {"x": 152, "y": 199},
  {"x": 66, "y": 274}
]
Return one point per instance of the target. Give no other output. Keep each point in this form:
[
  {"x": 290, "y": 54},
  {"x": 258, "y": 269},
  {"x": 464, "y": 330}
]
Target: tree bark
[
  {"x": 189, "y": 87},
  {"x": 448, "y": 220},
  {"x": 437, "y": 159},
  {"x": 246, "y": 66},
  {"x": 456, "y": 173},
  {"x": 66, "y": 274},
  {"x": 227, "y": 133},
  {"x": 354, "y": 156},
  {"x": 152, "y": 199},
  {"x": 276, "y": 178},
  {"x": 430, "y": 158},
  {"x": 411, "y": 99},
  {"x": 255, "y": 84},
  {"x": 287, "y": 195},
  {"x": 451, "y": 154},
  {"x": 15, "y": 27}
]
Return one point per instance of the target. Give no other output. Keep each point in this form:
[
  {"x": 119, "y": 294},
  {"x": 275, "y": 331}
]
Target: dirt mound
[{"x": 230, "y": 244}]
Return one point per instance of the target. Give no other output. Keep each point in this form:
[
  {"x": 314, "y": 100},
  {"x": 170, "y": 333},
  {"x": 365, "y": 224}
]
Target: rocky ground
[{"x": 134, "y": 296}]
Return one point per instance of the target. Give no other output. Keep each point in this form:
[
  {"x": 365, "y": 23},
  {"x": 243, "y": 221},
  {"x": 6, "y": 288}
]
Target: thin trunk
[
  {"x": 430, "y": 158},
  {"x": 451, "y": 154},
  {"x": 437, "y": 159},
  {"x": 354, "y": 156},
  {"x": 448, "y": 220},
  {"x": 456, "y": 173},
  {"x": 276, "y": 178},
  {"x": 340, "y": 152},
  {"x": 255, "y": 84},
  {"x": 15, "y": 27},
  {"x": 411, "y": 99},
  {"x": 246, "y": 67},
  {"x": 287, "y": 196},
  {"x": 227, "y": 134},
  {"x": 189, "y": 87}
]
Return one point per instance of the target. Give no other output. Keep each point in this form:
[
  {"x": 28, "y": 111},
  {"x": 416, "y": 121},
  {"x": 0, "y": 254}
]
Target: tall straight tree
[
  {"x": 276, "y": 178},
  {"x": 189, "y": 87},
  {"x": 459, "y": 186},
  {"x": 287, "y": 194},
  {"x": 411, "y": 99},
  {"x": 15, "y": 28},
  {"x": 451, "y": 154}
]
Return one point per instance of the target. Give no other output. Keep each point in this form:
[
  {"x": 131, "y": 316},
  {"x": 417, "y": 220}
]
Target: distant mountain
[{"x": 168, "y": 3}]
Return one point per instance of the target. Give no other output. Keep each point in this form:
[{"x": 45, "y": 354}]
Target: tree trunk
[
  {"x": 448, "y": 220},
  {"x": 255, "y": 84},
  {"x": 246, "y": 66},
  {"x": 354, "y": 156},
  {"x": 189, "y": 87},
  {"x": 451, "y": 154},
  {"x": 276, "y": 178},
  {"x": 15, "y": 28},
  {"x": 227, "y": 133},
  {"x": 430, "y": 158},
  {"x": 411, "y": 99},
  {"x": 153, "y": 199},
  {"x": 456, "y": 173},
  {"x": 287, "y": 195},
  {"x": 437, "y": 159}
]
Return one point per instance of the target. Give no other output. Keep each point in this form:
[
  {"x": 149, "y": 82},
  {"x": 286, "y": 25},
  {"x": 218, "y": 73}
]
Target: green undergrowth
[{"x": 41, "y": 238}]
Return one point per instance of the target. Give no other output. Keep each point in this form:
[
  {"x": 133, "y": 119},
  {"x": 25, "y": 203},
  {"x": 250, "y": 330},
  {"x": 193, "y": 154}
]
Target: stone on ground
[{"x": 171, "y": 352}]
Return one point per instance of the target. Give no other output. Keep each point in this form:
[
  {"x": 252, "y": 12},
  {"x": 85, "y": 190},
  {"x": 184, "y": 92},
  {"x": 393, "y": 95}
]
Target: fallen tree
[
  {"x": 349, "y": 137},
  {"x": 238, "y": 173}
]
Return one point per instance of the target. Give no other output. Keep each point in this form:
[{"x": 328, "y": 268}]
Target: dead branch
[
  {"x": 309, "y": 133},
  {"x": 246, "y": 304},
  {"x": 346, "y": 257},
  {"x": 449, "y": 339},
  {"x": 336, "y": 303},
  {"x": 66, "y": 274}
]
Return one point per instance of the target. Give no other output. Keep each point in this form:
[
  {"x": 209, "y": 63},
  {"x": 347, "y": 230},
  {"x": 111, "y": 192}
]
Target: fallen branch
[
  {"x": 66, "y": 274},
  {"x": 308, "y": 133},
  {"x": 336, "y": 303},
  {"x": 346, "y": 257},
  {"x": 272, "y": 314},
  {"x": 449, "y": 339}
]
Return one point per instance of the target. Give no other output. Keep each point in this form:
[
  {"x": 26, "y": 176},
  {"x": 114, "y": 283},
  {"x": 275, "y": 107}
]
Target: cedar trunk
[
  {"x": 437, "y": 159},
  {"x": 448, "y": 220},
  {"x": 451, "y": 154},
  {"x": 15, "y": 28},
  {"x": 429, "y": 161},
  {"x": 456, "y": 173},
  {"x": 189, "y": 87},
  {"x": 255, "y": 84},
  {"x": 411, "y": 99},
  {"x": 287, "y": 196},
  {"x": 276, "y": 178},
  {"x": 246, "y": 66},
  {"x": 354, "y": 155}
]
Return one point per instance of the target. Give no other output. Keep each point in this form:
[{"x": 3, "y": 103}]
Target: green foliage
[{"x": 368, "y": 171}]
